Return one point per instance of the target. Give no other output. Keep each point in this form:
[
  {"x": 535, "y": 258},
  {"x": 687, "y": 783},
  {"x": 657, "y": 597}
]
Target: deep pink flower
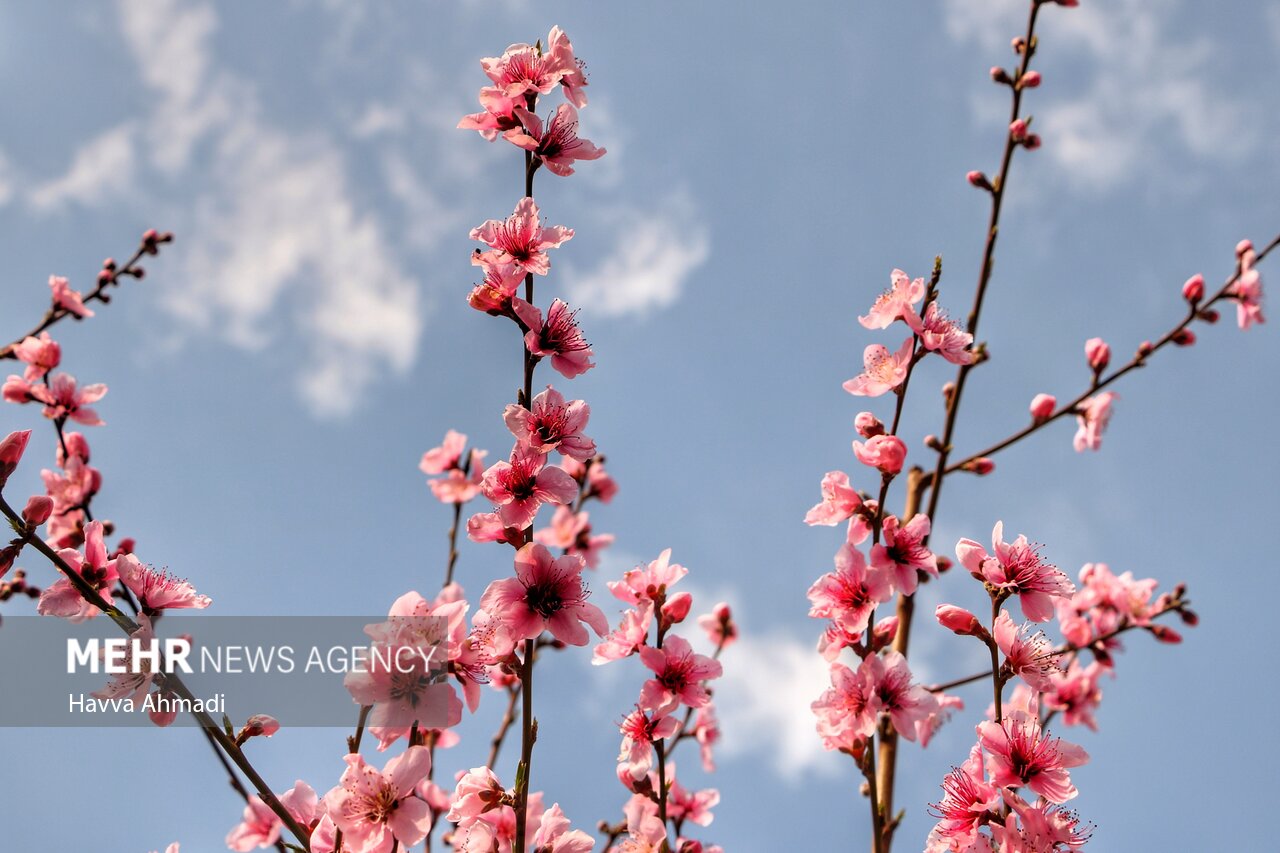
[
  {"x": 375, "y": 809},
  {"x": 639, "y": 731},
  {"x": 679, "y": 673},
  {"x": 40, "y": 354},
  {"x": 848, "y": 595},
  {"x": 882, "y": 371},
  {"x": 1029, "y": 656},
  {"x": 938, "y": 333},
  {"x": 1093, "y": 415},
  {"x": 886, "y": 453},
  {"x": 552, "y": 424},
  {"x": 648, "y": 583},
  {"x": 1043, "y": 826},
  {"x": 1019, "y": 753},
  {"x": 158, "y": 590},
  {"x": 968, "y": 801},
  {"x": 67, "y": 299},
  {"x": 63, "y": 599},
  {"x": 527, "y": 69},
  {"x": 519, "y": 487},
  {"x": 520, "y": 239},
  {"x": 558, "y": 144},
  {"x": 37, "y": 510},
  {"x": 557, "y": 337},
  {"x": 547, "y": 594},
  {"x": 896, "y": 302},
  {"x": 1017, "y": 568},
  {"x": 62, "y": 399},
  {"x": 903, "y": 555}
]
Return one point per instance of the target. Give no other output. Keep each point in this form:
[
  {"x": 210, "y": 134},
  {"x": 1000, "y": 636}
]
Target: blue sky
[{"x": 276, "y": 377}]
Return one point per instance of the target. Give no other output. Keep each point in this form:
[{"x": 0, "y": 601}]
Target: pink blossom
[
  {"x": 572, "y": 531},
  {"x": 628, "y": 638},
  {"x": 1017, "y": 568},
  {"x": 158, "y": 590},
  {"x": 134, "y": 681},
  {"x": 458, "y": 486},
  {"x": 885, "y": 453},
  {"x": 719, "y": 625},
  {"x": 554, "y": 836},
  {"x": 520, "y": 239},
  {"x": 903, "y": 555},
  {"x": 868, "y": 425},
  {"x": 376, "y": 809},
  {"x": 478, "y": 792},
  {"x": 1028, "y": 656},
  {"x": 1093, "y": 415},
  {"x": 690, "y": 806},
  {"x": 497, "y": 116},
  {"x": 1193, "y": 288},
  {"x": 676, "y": 609},
  {"x": 649, "y": 583},
  {"x": 1019, "y": 753},
  {"x": 11, "y": 450},
  {"x": 846, "y": 711},
  {"x": 907, "y": 704},
  {"x": 526, "y": 69},
  {"x": 968, "y": 801},
  {"x": 40, "y": 354},
  {"x": 1044, "y": 827},
  {"x": 67, "y": 299},
  {"x": 1097, "y": 353},
  {"x": 63, "y": 599},
  {"x": 259, "y": 827},
  {"x": 552, "y": 424},
  {"x": 558, "y": 144},
  {"x": 848, "y": 595},
  {"x": 840, "y": 500},
  {"x": 519, "y": 487},
  {"x": 494, "y": 295},
  {"x": 896, "y": 302},
  {"x": 639, "y": 731},
  {"x": 437, "y": 460},
  {"x": 706, "y": 730},
  {"x": 882, "y": 371},
  {"x": 1247, "y": 292},
  {"x": 1043, "y": 406},
  {"x": 1076, "y": 694},
  {"x": 547, "y": 594},
  {"x": 62, "y": 399},
  {"x": 37, "y": 510},
  {"x": 600, "y": 485},
  {"x": 960, "y": 621},
  {"x": 558, "y": 337},
  {"x": 938, "y": 333},
  {"x": 679, "y": 673}
]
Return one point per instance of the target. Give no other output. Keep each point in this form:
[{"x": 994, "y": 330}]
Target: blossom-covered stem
[
  {"x": 56, "y": 313},
  {"x": 1139, "y": 360},
  {"x": 529, "y": 734},
  {"x": 508, "y": 719},
  {"x": 997, "y": 683}
]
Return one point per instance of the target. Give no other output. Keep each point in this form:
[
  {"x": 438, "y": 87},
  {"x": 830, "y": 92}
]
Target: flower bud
[
  {"x": 11, "y": 450},
  {"x": 1042, "y": 406},
  {"x": 1193, "y": 290},
  {"x": 982, "y": 466},
  {"x": 884, "y": 632},
  {"x": 961, "y": 622},
  {"x": 677, "y": 608},
  {"x": 1097, "y": 353},
  {"x": 1243, "y": 247},
  {"x": 1145, "y": 349},
  {"x": 979, "y": 180},
  {"x": 37, "y": 510},
  {"x": 1189, "y": 618},
  {"x": 1032, "y": 142},
  {"x": 1165, "y": 634},
  {"x": 1018, "y": 44},
  {"x": 885, "y": 453},
  {"x": 1185, "y": 338},
  {"x": 944, "y": 564},
  {"x": 1030, "y": 80},
  {"x": 868, "y": 425},
  {"x": 1018, "y": 129}
]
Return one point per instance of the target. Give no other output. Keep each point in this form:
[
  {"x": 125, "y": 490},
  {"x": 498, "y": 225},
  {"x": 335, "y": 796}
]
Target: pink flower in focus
[
  {"x": 519, "y": 487},
  {"x": 558, "y": 337},
  {"x": 527, "y": 69},
  {"x": 882, "y": 371},
  {"x": 628, "y": 638},
  {"x": 498, "y": 114},
  {"x": 1019, "y": 753},
  {"x": 547, "y": 594},
  {"x": 639, "y": 731},
  {"x": 907, "y": 704},
  {"x": 62, "y": 399},
  {"x": 1044, "y": 827},
  {"x": 376, "y": 809},
  {"x": 650, "y": 583},
  {"x": 63, "y": 599},
  {"x": 678, "y": 679},
  {"x": 40, "y": 354},
  {"x": 552, "y": 424},
  {"x": 848, "y": 595},
  {"x": 1029, "y": 657},
  {"x": 896, "y": 302},
  {"x": 67, "y": 299},
  {"x": 938, "y": 333},
  {"x": 558, "y": 144},
  {"x": 1093, "y": 415},
  {"x": 968, "y": 801},
  {"x": 158, "y": 590},
  {"x": 904, "y": 555},
  {"x": 554, "y": 836},
  {"x": 458, "y": 486},
  {"x": 478, "y": 792},
  {"x": 1017, "y": 568},
  {"x": 520, "y": 239},
  {"x": 886, "y": 453},
  {"x": 839, "y": 501}
]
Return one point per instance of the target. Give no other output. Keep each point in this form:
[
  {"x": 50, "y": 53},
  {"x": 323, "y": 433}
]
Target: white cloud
[
  {"x": 1146, "y": 94},
  {"x": 653, "y": 255},
  {"x": 100, "y": 168}
]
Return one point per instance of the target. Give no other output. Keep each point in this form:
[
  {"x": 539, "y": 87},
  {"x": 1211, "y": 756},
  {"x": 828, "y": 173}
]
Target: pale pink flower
[
  {"x": 158, "y": 590},
  {"x": 719, "y": 625},
  {"x": 885, "y": 453},
  {"x": 62, "y": 399},
  {"x": 882, "y": 371},
  {"x": 908, "y": 705},
  {"x": 938, "y": 333},
  {"x": 572, "y": 531},
  {"x": 458, "y": 486},
  {"x": 552, "y": 424},
  {"x": 558, "y": 337},
  {"x": 258, "y": 828},
  {"x": 686, "y": 806},
  {"x": 600, "y": 485},
  {"x": 648, "y": 583},
  {"x": 134, "y": 681},
  {"x": 1093, "y": 415},
  {"x": 520, "y": 239},
  {"x": 1044, "y": 827},
  {"x": 639, "y": 731},
  {"x": 555, "y": 836},
  {"x": 558, "y": 144},
  {"x": 61, "y": 598},
  {"x": 1017, "y": 568},
  {"x": 67, "y": 299},
  {"x": 1076, "y": 694},
  {"x": 497, "y": 116},
  {"x": 628, "y": 638},
  {"x": 1247, "y": 292},
  {"x": 40, "y": 354},
  {"x": 376, "y": 809},
  {"x": 1028, "y": 656},
  {"x": 903, "y": 555},
  {"x": 968, "y": 801},
  {"x": 1019, "y": 753},
  {"x": 896, "y": 302},
  {"x": 846, "y": 711},
  {"x": 547, "y": 594},
  {"x": 848, "y": 595},
  {"x": 478, "y": 792},
  {"x": 437, "y": 460},
  {"x": 928, "y": 726},
  {"x": 679, "y": 673},
  {"x": 519, "y": 487},
  {"x": 839, "y": 502}
]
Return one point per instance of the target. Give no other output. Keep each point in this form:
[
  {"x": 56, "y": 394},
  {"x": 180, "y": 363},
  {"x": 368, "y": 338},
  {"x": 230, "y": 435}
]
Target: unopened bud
[
  {"x": 1193, "y": 289},
  {"x": 979, "y": 180},
  {"x": 999, "y": 75},
  {"x": 677, "y": 608},
  {"x": 961, "y": 621},
  {"x": 1097, "y": 353},
  {"x": 1043, "y": 406},
  {"x": 1209, "y": 315},
  {"x": 1165, "y": 634},
  {"x": 37, "y": 510},
  {"x": 982, "y": 466},
  {"x": 1242, "y": 247},
  {"x": 1189, "y": 618},
  {"x": 1030, "y": 80},
  {"x": 868, "y": 425},
  {"x": 1185, "y": 338},
  {"x": 1032, "y": 142},
  {"x": 1018, "y": 129}
]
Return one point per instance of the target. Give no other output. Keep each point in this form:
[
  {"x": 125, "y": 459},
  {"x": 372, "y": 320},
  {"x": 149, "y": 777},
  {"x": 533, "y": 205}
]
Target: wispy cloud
[{"x": 100, "y": 168}]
